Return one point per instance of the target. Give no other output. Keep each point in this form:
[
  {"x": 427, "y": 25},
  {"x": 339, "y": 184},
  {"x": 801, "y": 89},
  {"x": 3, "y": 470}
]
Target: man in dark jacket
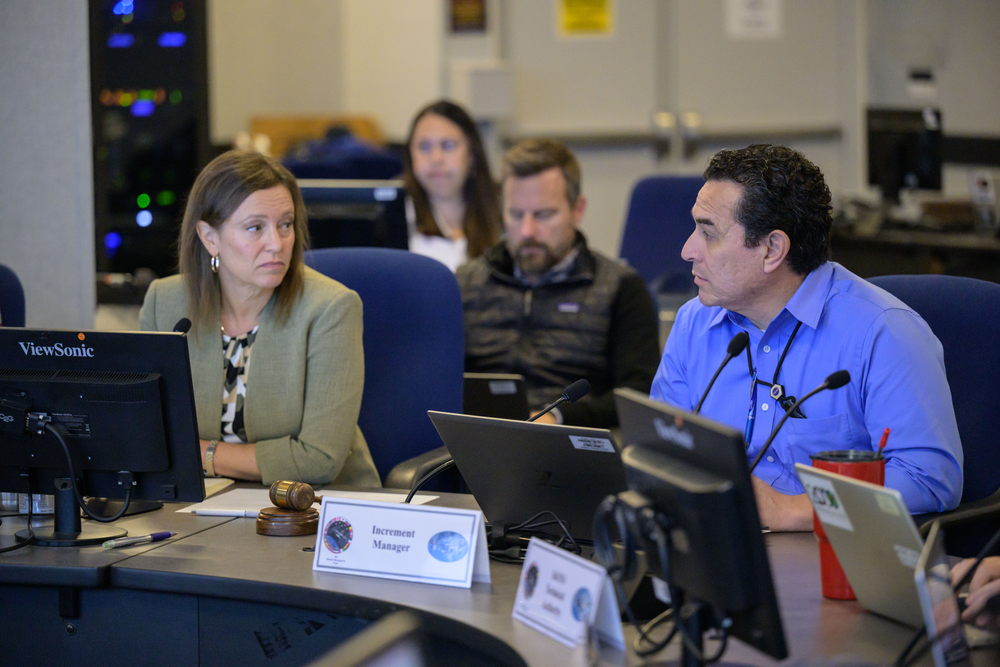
[{"x": 541, "y": 304}]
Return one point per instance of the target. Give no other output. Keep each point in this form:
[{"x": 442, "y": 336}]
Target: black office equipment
[
  {"x": 123, "y": 404},
  {"x": 355, "y": 213},
  {"x": 904, "y": 150},
  {"x": 498, "y": 395},
  {"x": 517, "y": 469},
  {"x": 149, "y": 103},
  {"x": 691, "y": 498}
]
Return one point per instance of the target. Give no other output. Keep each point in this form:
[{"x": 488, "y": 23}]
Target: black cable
[
  {"x": 661, "y": 539},
  {"x": 72, "y": 478},
  {"x": 450, "y": 463}
]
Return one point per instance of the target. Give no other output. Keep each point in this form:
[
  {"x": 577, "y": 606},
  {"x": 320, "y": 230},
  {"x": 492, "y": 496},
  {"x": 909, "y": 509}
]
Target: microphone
[
  {"x": 571, "y": 394},
  {"x": 183, "y": 325},
  {"x": 738, "y": 343},
  {"x": 833, "y": 381}
]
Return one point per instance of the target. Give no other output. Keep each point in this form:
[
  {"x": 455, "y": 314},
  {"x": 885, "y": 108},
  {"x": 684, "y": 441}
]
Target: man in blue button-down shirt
[{"x": 759, "y": 255}]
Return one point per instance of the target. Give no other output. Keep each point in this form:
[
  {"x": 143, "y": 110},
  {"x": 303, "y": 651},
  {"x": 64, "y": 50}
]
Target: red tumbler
[{"x": 866, "y": 466}]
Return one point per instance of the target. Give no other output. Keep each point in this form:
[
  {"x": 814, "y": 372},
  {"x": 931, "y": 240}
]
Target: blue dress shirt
[{"x": 897, "y": 381}]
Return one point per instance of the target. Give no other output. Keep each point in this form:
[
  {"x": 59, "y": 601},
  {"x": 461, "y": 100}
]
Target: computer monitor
[
  {"x": 904, "y": 150},
  {"x": 124, "y": 406},
  {"x": 355, "y": 213},
  {"x": 694, "y": 474}
]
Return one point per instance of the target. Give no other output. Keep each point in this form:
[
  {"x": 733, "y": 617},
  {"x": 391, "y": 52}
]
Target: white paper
[
  {"x": 249, "y": 502},
  {"x": 433, "y": 545},
  {"x": 563, "y": 596},
  {"x": 753, "y": 19}
]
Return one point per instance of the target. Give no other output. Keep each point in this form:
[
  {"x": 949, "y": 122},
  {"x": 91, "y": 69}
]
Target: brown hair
[
  {"x": 482, "y": 205},
  {"x": 533, "y": 156},
  {"x": 219, "y": 190}
]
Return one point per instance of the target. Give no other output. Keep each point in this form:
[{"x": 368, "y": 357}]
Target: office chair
[
  {"x": 656, "y": 227},
  {"x": 964, "y": 313},
  {"x": 414, "y": 353},
  {"x": 11, "y": 299}
]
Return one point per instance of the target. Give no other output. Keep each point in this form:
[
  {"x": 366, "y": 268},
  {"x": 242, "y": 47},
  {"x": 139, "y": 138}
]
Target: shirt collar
[{"x": 806, "y": 305}]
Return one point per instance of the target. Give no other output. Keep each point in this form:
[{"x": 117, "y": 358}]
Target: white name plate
[
  {"x": 431, "y": 545},
  {"x": 564, "y": 596}
]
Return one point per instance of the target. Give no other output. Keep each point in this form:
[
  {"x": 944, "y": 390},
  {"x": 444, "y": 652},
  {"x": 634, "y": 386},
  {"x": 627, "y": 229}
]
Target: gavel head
[{"x": 292, "y": 495}]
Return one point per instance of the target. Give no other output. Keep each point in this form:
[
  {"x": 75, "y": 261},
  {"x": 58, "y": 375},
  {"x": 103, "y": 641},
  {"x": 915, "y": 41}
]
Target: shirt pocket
[{"x": 810, "y": 436}]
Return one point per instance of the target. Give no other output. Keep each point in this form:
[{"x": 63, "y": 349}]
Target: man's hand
[
  {"x": 985, "y": 585},
  {"x": 547, "y": 418},
  {"x": 781, "y": 512}
]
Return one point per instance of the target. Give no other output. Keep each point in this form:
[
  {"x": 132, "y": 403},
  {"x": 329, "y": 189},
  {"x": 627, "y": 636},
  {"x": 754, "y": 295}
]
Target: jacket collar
[{"x": 501, "y": 264}]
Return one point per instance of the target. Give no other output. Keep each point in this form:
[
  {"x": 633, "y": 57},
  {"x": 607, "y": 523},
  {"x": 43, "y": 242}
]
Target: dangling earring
[{"x": 214, "y": 263}]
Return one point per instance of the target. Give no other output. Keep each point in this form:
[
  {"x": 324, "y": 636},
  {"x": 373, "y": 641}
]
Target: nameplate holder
[
  {"x": 430, "y": 545},
  {"x": 567, "y": 597}
]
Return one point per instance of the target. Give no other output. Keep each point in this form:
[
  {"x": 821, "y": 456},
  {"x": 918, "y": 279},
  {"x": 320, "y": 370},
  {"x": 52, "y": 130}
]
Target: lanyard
[{"x": 777, "y": 391}]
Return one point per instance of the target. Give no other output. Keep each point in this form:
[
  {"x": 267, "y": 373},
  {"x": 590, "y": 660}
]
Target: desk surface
[{"x": 222, "y": 558}]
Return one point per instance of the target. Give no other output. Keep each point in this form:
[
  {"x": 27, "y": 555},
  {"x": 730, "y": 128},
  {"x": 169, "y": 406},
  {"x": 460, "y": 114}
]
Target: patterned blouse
[{"x": 236, "y": 355}]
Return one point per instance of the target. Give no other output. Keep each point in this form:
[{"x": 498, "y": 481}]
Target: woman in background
[
  {"x": 456, "y": 209},
  {"x": 276, "y": 355}
]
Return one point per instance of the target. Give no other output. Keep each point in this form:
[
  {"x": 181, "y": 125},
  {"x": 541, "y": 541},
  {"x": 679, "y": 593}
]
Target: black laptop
[
  {"x": 516, "y": 469},
  {"x": 500, "y": 395}
]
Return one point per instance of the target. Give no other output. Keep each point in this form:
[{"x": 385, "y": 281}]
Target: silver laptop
[
  {"x": 940, "y": 604},
  {"x": 516, "y": 469},
  {"x": 874, "y": 537}
]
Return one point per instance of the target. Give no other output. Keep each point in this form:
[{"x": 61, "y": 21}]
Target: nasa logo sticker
[{"x": 338, "y": 535}]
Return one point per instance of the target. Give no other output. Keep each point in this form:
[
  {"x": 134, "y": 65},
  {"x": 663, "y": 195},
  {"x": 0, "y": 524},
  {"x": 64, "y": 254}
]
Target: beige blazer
[{"x": 304, "y": 382}]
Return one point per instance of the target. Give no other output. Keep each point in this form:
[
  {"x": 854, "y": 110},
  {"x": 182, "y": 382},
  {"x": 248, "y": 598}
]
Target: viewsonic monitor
[
  {"x": 696, "y": 474},
  {"x": 124, "y": 405},
  {"x": 355, "y": 213}
]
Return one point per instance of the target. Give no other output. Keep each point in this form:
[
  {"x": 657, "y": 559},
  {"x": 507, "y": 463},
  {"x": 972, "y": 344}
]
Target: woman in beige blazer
[{"x": 276, "y": 355}]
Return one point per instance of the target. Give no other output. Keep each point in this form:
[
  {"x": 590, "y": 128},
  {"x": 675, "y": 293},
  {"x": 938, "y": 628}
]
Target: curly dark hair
[
  {"x": 482, "y": 225},
  {"x": 781, "y": 190}
]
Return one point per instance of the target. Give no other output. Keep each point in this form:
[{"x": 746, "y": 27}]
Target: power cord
[
  {"x": 514, "y": 553},
  {"x": 38, "y": 422},
  {"x": 633, "y": 515}
]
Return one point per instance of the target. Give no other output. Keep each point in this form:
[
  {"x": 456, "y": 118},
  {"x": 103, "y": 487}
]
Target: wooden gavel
[{"x": 293, "y": 495}]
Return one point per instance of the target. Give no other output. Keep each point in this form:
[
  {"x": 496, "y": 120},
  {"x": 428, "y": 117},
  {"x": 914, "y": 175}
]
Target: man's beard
[{"x": 535, "y": 264}]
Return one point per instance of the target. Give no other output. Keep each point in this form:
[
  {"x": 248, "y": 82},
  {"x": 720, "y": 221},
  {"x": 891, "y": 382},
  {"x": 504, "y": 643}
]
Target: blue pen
[{"x": 144, "y": 539}]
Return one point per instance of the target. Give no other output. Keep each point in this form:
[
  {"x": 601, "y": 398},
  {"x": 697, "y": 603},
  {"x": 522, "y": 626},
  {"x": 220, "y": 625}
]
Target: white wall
[
  {"x": 393, "y": 59},
  {"x": 46, "y": 192},
  {"x": 272, "y": 57}
]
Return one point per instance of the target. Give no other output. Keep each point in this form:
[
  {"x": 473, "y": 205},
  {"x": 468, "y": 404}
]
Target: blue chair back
[
  {"x": 414, "y": 345},
  {"x": 656, "y": 227},
  {"x": 964, "y": 313},
  {"x": 11, "y": 299}
]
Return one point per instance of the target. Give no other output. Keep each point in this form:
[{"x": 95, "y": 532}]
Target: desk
[
  {"x": 221, "y": 594},
  {"x": 897, "y": 251}
]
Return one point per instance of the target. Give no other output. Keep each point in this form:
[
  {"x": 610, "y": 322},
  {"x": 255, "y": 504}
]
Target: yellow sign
[{"x": 586, "y": 18}]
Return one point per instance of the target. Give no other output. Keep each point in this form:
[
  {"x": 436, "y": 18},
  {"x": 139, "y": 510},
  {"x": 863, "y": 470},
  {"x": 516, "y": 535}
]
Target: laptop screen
[{"x": 940, "y": 604}]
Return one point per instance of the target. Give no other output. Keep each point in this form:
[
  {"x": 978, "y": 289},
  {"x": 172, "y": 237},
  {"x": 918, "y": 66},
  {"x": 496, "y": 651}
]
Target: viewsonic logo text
[
  {"x": 57, "y": 350},
  {"x": 673, "y": 434}
]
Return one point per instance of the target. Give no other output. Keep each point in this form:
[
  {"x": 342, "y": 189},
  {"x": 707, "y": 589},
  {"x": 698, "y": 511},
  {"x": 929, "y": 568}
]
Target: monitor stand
[{"x": 67, "y": 530}]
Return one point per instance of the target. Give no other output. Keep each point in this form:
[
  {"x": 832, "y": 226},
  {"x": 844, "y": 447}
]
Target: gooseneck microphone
[
  {"x": 738, "y": 343},
  {"x": 183, "y": 325},
  {"x": 571, "y": 394},
  {"x": 833, "y": 381}
]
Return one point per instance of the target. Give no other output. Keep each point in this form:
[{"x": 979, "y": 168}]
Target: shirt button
[
  {"x": 770, "y": 459},
  {"x": 764, "y": 407},
  {"x": 767, "y": 348}
]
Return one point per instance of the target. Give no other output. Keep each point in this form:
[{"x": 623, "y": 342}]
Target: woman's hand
[{"x": 234, "y": 460}]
